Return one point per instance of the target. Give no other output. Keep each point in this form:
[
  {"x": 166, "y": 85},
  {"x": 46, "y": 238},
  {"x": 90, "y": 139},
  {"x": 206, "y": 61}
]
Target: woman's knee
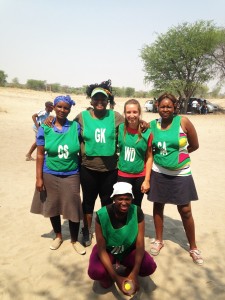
[
  {"x": 96, "y": 269},
  {"x": 148, "y": 265},
  {"x": 185, "y": 211},
  {"x": 98, "y": 273}
]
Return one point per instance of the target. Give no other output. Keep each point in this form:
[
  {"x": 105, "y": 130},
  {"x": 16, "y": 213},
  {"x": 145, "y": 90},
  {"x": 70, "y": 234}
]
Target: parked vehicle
[
  {"x": 210, "y": 106},
  {"x": 151, "y": 105}
]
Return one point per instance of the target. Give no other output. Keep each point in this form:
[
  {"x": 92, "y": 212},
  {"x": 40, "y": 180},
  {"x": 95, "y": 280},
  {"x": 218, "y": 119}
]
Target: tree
[
  {"x": 129, "y": 92},
  {"x": 37, "y": 85},
  {"x": 15, "y": 83},
  {"x": 3, "y": 77},
  {"x": 215, "y": 92},
  {"x": 219, "y": 56},
  {"x": 180, "y": 61},
  {"x": 55, "y": 87}
]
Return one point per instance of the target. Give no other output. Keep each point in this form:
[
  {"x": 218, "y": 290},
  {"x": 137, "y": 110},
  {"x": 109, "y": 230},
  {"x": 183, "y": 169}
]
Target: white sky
[{"x": 79, "y": 42}]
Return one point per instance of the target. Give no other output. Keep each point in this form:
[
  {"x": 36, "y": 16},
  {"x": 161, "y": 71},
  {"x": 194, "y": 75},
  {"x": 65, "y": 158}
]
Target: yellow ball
[{"x": 127, "y": 286}]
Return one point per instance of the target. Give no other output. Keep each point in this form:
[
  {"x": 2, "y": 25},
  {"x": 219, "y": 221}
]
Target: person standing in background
[{"x": 38, "y": 118}]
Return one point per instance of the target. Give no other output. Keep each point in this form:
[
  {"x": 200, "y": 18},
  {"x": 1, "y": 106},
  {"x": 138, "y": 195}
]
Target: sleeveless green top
[
  {"x": 119, "y": 241},
  {"x": 169, "y": 145},
  {"x": 62, "y": 148},
  {"x": 132, "y": 151},
  {"x": 99, "y": 134}
]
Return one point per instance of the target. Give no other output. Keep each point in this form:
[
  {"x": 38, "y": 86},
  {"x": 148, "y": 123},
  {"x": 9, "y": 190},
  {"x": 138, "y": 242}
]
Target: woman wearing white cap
[{"x": 115, "y": 244}]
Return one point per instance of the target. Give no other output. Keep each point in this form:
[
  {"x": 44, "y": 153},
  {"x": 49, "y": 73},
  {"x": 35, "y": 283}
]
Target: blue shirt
[
  {"x": 42, "y": 115},
  {"x": 40, "y": 140}
]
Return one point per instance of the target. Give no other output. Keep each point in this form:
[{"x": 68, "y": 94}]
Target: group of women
[{"x": 152, "y": 159}]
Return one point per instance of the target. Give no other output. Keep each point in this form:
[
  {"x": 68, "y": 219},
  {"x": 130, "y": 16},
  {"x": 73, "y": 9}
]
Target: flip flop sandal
[{"x": 156, "y": 247}]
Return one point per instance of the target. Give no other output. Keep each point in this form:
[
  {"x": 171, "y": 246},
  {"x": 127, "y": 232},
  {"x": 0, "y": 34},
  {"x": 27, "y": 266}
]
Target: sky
[{"x": 80, "y": 42}]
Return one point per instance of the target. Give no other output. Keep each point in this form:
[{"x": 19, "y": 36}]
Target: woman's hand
[
  {"x": 134, "y": 279},
  {"x": 145, "y": 187},
  {"x": 40, "y": 185},
  {"x": 144, "y": 125},
  {"x": 48, "y": 121},
  {"x": 120, "y": 281}
]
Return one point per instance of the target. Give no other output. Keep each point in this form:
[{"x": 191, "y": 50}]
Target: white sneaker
[
  {"x": 79, "y": 248},
  {"x": 56, "y": 243},
  {"x": 196, "y": 256}
]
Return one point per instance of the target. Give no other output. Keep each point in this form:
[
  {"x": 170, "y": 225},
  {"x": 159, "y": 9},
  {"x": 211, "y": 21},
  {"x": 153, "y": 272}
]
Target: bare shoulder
[{"x": 185, "y": 120}]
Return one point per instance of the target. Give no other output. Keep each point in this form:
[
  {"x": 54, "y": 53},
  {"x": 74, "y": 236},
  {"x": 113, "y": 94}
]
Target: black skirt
[{"x": 178, "y": 190}]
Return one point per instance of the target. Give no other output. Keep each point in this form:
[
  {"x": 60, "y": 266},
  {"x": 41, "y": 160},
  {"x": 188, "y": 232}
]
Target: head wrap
[{"x": 66, "y": 99}]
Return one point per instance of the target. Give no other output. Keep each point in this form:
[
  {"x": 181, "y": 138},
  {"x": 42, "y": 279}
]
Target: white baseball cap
[{"x": 121, "y": 188}]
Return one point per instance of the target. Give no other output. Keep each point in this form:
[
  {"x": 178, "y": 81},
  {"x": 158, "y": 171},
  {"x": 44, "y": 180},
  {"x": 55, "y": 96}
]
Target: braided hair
[{"x": 106, "y": 85}]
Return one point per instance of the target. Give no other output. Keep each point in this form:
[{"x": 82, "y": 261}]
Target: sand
[{"x": 29, "y": 270}]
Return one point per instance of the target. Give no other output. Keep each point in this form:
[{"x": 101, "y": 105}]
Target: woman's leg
[
  {"x": 189, "y": 227},
  {"x": 56, "y": 225},
  {"x": 188, "y": 223},
  {"x": 158, "y": 209},
  {"x": 136, "y": 187},
  {"x": 96, "y": 269},
  {"x": 148, "y": 265},
  {"x": 105, "y": 184},
  {"x": 74, "y": 231},
  {"x": 88, "y": 180},
  {"x": 157, "y": 244}
]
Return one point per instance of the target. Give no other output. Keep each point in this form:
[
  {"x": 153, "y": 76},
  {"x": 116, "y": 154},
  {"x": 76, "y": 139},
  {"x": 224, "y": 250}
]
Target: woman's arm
[
  {"x": 48, "y": 121},
  {"x": 104, "y": 257},
  {"x": 139, "y": 253},
  {"x": 148, "y": 168},
  {"x": 39, "y": 168},
  {"x": 144, "y": 125},
  {"x": 192, "y": 137},
  {"x": 34, "y": 118}
]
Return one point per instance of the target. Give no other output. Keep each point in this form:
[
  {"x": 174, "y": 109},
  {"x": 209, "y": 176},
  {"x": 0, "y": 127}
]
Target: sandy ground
[{"x": 29, "y": 270}]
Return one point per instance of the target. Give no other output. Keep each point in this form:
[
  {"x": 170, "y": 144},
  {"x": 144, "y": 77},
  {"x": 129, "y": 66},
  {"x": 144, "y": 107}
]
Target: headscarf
[{"x": 66, "y": 99}]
